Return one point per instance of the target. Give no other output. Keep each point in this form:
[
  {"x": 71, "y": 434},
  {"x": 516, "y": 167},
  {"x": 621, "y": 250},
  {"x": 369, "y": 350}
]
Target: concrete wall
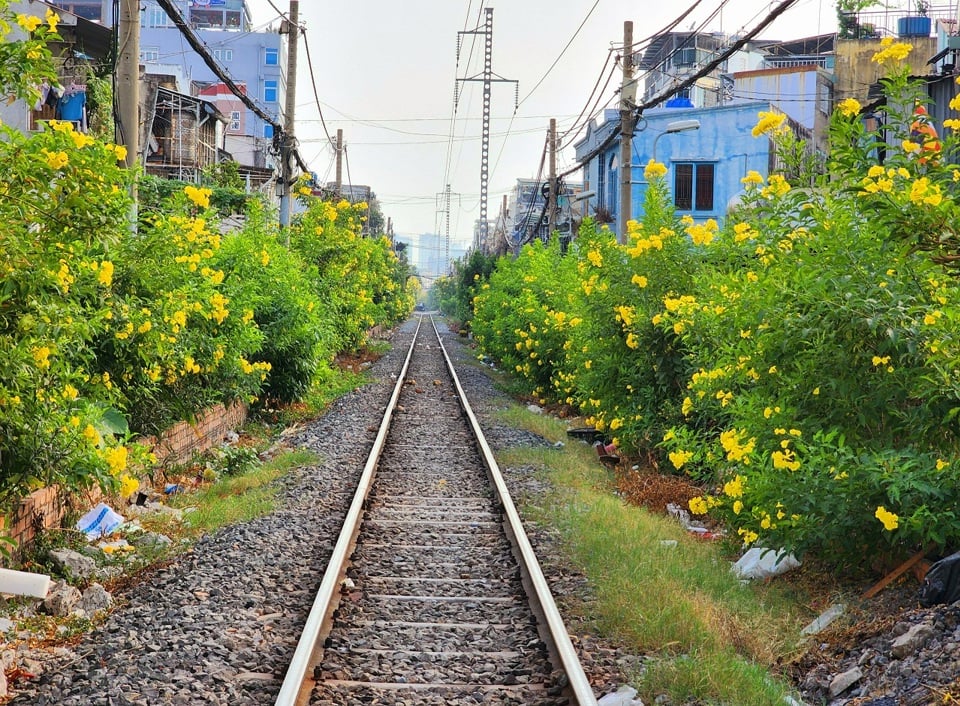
[{"x": 855, "y": 71}]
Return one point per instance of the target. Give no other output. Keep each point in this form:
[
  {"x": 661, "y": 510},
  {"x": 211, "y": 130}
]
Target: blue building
[{"x": 707, "y": 151}]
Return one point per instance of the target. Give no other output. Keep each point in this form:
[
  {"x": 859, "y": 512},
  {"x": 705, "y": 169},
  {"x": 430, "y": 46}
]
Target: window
[
  {"x": 687, "y": 56},
  {"x": 223, "y": 54},
  {"x": 156, "y": 17},
  {"x": 271, "y": 57},
  {"x": 612, "y": 192},
  {"x": 149, "y": 54},
  {"x": 235, "y": 120},
  {"x": 693, "y": 185},
  {"x": 271, "y": 90},
  {"x": 268, "y": 130}
]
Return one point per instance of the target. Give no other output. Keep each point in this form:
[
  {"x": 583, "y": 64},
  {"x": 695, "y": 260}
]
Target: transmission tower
[{"x": 487, "y": 78}]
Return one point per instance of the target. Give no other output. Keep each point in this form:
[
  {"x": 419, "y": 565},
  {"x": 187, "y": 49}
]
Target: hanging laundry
[{"x": 73, "y": 105}]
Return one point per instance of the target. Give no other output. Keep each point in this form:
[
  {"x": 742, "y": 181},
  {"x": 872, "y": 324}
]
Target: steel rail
[
  {"x": 579, "y": 685},
  {"x": 303, "y": 656}
]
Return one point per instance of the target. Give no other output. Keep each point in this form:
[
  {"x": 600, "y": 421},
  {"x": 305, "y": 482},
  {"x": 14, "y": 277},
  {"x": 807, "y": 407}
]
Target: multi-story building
[
  {"x": 254, "y": 60},
  {"x": 675, "y": 56},
  {"x": 527, "y": 212}
]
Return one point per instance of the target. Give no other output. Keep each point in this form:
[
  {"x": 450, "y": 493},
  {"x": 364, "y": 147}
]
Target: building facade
[{"x": 707, "y": 151}]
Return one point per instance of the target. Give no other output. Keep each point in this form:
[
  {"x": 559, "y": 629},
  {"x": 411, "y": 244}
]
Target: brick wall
[
  {"x": 178, "y": 443},
  {"x": 45, "y": 508}
]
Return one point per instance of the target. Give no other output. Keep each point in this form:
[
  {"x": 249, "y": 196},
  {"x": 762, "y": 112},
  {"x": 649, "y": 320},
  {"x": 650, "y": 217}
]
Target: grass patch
[
  {"x": 709, "y": 637},
  {"x": 550, "y": 428},
  {"x": 236, "y": 499}
]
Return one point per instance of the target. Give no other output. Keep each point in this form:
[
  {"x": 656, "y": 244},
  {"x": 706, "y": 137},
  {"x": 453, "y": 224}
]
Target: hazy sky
[{"x": 385, "y": 73}]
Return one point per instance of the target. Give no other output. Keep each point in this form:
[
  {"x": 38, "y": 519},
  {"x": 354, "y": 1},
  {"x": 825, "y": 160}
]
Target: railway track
[{"x": 433, "y": 594}]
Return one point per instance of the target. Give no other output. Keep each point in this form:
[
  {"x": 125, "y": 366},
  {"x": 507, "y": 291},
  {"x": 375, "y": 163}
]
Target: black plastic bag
[{"x": 942, "y": 582}]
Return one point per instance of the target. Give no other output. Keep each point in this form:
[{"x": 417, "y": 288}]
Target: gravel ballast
[{"x": 219, "y": 624}]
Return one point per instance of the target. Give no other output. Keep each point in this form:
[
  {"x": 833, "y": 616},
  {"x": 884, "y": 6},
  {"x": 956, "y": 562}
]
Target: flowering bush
[
  {"x": 820, "y": 381},
  {"x": 103, "y": 333},
  {"x": 360, "y": 281},
  {"x": 801, "y": 360},
  {"x": 64, "y": 214}
]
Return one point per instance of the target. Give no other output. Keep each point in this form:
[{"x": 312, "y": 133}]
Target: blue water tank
[
  {"x": 916, "y": 26},
  {"x": 679, "y": 102}
]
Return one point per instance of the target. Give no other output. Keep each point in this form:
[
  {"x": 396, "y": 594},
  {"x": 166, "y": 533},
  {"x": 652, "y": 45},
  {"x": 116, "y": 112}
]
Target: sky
[{"x": 385, "y": 72}]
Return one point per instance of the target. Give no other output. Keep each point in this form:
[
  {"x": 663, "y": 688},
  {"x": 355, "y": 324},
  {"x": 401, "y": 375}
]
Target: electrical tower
[
  {"x": 487, "y": 78},
  {"x": 444, "y": 199}
]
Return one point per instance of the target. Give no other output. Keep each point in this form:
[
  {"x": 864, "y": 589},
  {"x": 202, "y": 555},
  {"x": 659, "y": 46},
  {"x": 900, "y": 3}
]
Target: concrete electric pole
[
  {"x": 552, "y": 194},
  {"x": 627, "y": 125},
  {"x": 339, "y": 172},
  {"x": 289, "y": 142},
  {"x": 128, "y": 87}
]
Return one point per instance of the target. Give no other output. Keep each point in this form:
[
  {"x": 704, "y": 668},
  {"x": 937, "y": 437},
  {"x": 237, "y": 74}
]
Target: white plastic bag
[
  {"x": 763, "y": 563},
  {"x": 100, "y": 521}
]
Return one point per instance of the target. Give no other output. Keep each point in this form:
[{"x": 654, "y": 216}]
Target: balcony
[{"x": 897, "y": 22}]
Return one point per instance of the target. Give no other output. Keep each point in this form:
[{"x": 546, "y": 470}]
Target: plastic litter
[
  {"x": 824, "y": 619},
  {"x": 942, "y": 582},
  {"x": 624, "y": 696},
  {"x": 762, "y": 563},
  {"x": 99, "y": 521},
  {"x": 24, "y": 583}
]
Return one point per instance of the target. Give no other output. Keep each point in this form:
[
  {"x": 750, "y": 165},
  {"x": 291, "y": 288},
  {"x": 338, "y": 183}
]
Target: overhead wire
[
  {"x": 593, "y": 111},
  {"x": 560, "y": 55},
  {"x": 690, "y": 80},
  {"x": 198, "y": 46},
  {"x": 542, "y": 79}
]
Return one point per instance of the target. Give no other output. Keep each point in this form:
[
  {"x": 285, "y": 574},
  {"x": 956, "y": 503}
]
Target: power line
[
  {"x": 690, "y": 80},
  {"x": 198, "y": 46},
  {"x": 560, "y": 55},
  {"x": 313, "y": 82}
]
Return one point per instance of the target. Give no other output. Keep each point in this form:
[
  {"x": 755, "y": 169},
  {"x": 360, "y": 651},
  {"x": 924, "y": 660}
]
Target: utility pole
[
  {"x": 446, "y": 237},
  {"x": 487, "y": 79},
  {"x": 128, "y": 89},
  {"x": 339, "y": 162},
  {"x": 289, "y": 142},
  {"x": 552, "y": 194},
  {"x": 627, "y": 125}
]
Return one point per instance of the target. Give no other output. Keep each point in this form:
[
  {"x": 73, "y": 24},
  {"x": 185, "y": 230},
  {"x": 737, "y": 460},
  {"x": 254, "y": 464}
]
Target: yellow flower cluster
[
  {"x": 703, "y": 233},
  {"x": 849, "y": 107},
  {"x": 652, "y": 242},
  {"x": 219, "y": 312},
  {"x": 56, "y": 160},
  {"x": 753, "y": 178},
  {"x": 769, "y": 123},
  {"x": 199, "y": 196},
  {"x": 595, "y": 258},
  {"x": 890, "y": 520},
  {"x": 923, "y": 192},
  {"x": 776, "y": 186},
  {"x": 626, "y": 315},
  {"x": 28, "y": 22},
  {"x": 654, "y": 170},
  {"x": 679, "y": 458},
  {"x": 785, "y": 459},
  {"x": 116, "y": 458},
  {"x": 739, "y": 452},
  {"x": 734, "y": 488},
  {"x": 891, "y": 52},
  {"x": 41, "y": 357},
  {"x": 742, "y": 232}
]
